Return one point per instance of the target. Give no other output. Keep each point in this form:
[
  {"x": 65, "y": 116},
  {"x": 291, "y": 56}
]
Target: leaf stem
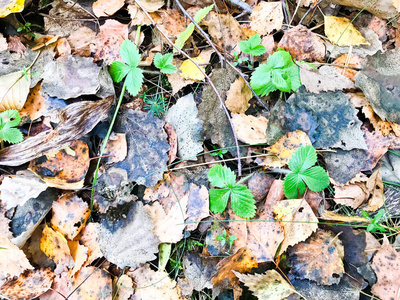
[{"x": 103, "y": 147}]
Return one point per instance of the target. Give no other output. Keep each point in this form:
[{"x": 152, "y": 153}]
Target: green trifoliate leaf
[
  {"x": 293, "y": 186},
  {"x": 315, "y": 178},
  {"x": 252, "y": 46},
  {"x": 221, "y": 177},
  {"x": 129, "y": 53},
  {"x": 242, "y": 202},
  {"x": 164, "y": 63},
  {"x": 118, "y": 70},
  {"x": 280, "y": 80},
  {"x": 219, "y": 199},
  {"x": 134, "y": 81},
  {"x": 302, "y": 159}
]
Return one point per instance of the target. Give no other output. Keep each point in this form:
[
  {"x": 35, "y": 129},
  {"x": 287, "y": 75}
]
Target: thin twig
[
  {"x": 309, "y": 10},
  {"x": 221, "y": 57},
  {"x": 205, "y": 75},
  {"x": 243, "y": 5}
]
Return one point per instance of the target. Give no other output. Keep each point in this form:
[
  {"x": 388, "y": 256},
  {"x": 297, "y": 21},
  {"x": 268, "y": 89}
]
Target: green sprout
[
  {"x": 164, "y": 63},
  {"x": 253, "y": 47},
  {"x": 374, "y": 226},
  {"x": 27, "y": 28},
  {"x": 8, "y": 120},
  {"x": 218, "y": 152},
  {"x": 224, "y": 239},
  {"x": 155, "y": 105}
]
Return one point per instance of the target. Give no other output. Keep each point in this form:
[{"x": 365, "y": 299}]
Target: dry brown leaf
[
  {"x": 396, "y": 4},
  {"x": 238, "y": 96},
  {"x": 353, "y": 62},
  {"x": 15, "y": 44},
  {"x": 106, "y": 8},
  {"x": 29, "y": 285},
  {"x": 12, "y": 260},
  {"x": 62, "y": 47},
  {"x": 67, "y": 169},
  {"x": 79, "y": 254},
  {"x": 299, "y": 221},
  {"x": 172, "y": 23},
  {"x": 287, "y": 145},
  {"x": 139, "y": 18},
  {"x": 250, "y": 129},
  {"x": 375, "y": 187},
  {"x": 172, "y": 141},
  {"x": 89, "y": 240},
  {"x": 82, "y": 41},
  {"x": 34, "y": 105},
  {"x": 386, "y": 264},
  {"x": 267, "y": 17},
  {"x": 124, "y": 286},
  {"x": 76, "y": 120},
  {"x": 242, "y": 261},
  {"x": 108, "y": 41},
  {"x": 270, "y": 285},
  {"x": 319, "y": 258},
  {"x": 154, "y": 285},
  {"x": 152, "y": 5},
  {"x": 14, "y": 89},
  {"x": 45, "y": 41},
  {"x": 97, "y": 285},
  {"x": 60, "y": 288},
  {"x": 352, "y": 195},
  {"x": 55, "y": 246},
  {"x": 116, "y": 147},
  {"x": 70, "y": 215}
]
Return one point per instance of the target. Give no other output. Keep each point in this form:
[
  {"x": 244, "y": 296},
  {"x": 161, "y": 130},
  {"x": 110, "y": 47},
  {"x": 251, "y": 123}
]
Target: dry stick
[
  {"x": 221, "y": 57},
  {"x": 206, "y": 76}
]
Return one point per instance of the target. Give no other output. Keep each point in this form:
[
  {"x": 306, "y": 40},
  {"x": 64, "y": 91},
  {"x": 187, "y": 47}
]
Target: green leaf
[
  {"x": 315, "y": 178},
  {"x": 258, "y": 50},
  {"x": 252, "y": 46},
  {"x": 302, "y": 159},
  {"x": 118, "y": 70},
  {"x": 129, "y": 53},
  {"x": 10, "y": 118},
  {"x": 379, "y": 214},
  {"x": 254, "y": 40},
  {"x": 164, "y": 63},
  {"x": 242, "y": 202},
  {"x": 221, "y": 177},
  {"x": 280, "y": 80},
  {"x": 11, "y": 135},
  {"x": 184, "y": 35},
  {"x": 219, "y": 199},
  {"x": 134, "y": 81},
  {"x": 293, "y": 186},
  {"x": 293, "y": 74}
]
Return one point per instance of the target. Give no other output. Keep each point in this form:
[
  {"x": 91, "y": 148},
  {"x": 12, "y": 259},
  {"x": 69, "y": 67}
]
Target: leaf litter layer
[{"x": 173, "y": 213}]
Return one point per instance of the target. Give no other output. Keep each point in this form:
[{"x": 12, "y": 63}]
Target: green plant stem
[{"x": 103, "y": 147}]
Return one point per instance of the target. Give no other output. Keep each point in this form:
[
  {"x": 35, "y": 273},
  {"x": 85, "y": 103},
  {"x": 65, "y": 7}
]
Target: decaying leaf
[
  {"x": 154, "y": 285},
  {"x": 70, "y": 214},
  {"x": 250, "y": 129},
  {"x": 28, "y": 285},
  {"x": 267, "y": 17},
  {"x": 14, "y": 89},
  {"x": 351, "y": 63},
  {"x": 97, "y": 284},
  {"x": 67, "y": 169},
  {"x": 147, "y": 146},
  {"x": 55, "y": 246},
  {"x": 16, "y": 190},
  {"x": 116, "y": 147},
  {"x": 104, "y": 8},
  {"x": 340, "y": 31},
  {"x": 89, "y": 239},
  {"x": 319, "y": 258},
  {"x": 183, "y": 117},
  {"x": 124, "y": 286},
  {"x": 299, "y": 221},
  {"x": 12, "y": 260},
  {"x": 82, "y": 41},
  {"x": 198, "y": 206},
  {"x": 79, "y": 253},
  {"x": 238, "y": 96},
  {"x": 188, "y": 70},
  {"x": 123, "y": 248},
  {"x": 76, "y": 120},
  {"x": 386, "y": 264},
  {"x": 270, "y": 285}
]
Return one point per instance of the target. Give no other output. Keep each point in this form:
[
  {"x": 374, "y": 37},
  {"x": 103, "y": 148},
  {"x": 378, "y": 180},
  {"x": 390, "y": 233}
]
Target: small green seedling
[
  {"x": 155, "y": 105},
  {"x": 374, "y": 226},
  {"x": 27, "y": 27},
  {"x": 303, "y": 172},
  {"x": 118, "y": 70},
  {"x": 218, "y": 152},
  {"x": 279, "y": 73},
  {"x": 8, "y": 120},
  {"x": 253, "y": 47},
  {"x": 164, "y": 63},
  {"x": 242, "y": 201},
  {"x": 224, "y": 239},
  {"x": 239, "y": 60},
  {"x": 25, "y": 72}
]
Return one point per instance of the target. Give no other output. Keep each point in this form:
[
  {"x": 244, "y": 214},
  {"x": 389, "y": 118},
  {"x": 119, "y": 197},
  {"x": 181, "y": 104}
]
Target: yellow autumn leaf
[
  {"x": 10, "y": 6},
  {"x": 189, "y": 70},
  {"x": 340, "y": 31}
]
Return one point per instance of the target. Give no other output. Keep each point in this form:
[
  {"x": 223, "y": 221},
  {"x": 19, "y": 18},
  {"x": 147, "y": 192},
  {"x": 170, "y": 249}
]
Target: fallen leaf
[
  {"x": 349, "y": 62},
  {"x": 64, "y": 171},
  {"x": 250, "y": 129},
  {"x": 82, "y": 41},
  {"x": 62, "y": 47},
  {"x": 15, "y": 44},
  {"x": 34, "y": 253},
  {"x": 92, "y": 283},
  {"x": 104, "y": 8},
  {"x": 154, "y": 285},
  {"x": 146, "y": 139},
  {"x": 270, "y": 285},
  {"x": 76, "y": 120},
  {"x": 305, "y": 3},
  {"x": 352, "y": 195},
  {"x": 299, "y": 221},
  {"x": 189, "y": 70},
  {"x": 124, "y": 286},
  {"x": 61, "y": 286},
  {"x": 340, "y": 31},
  {"x": 319, "y": 258},
  {"x": 46, "y": 40},
  {"x": 198, "y": 206},
  {"x": 14, "y": 89},
  {"x": 172, "y": 141},
  {"x": 152, "y": 5},
  {"x": 259, "y": 184},
  {"x": 386, "y": 264},
  {"x": 117, "y": 148},
  {"x": 396, "y": 4},
  {"x": 79, "y": 253},
  {"x": 4, "y": 224},
  {"x": 3, "y": 43},
  {"x": 28, "y": 285},
  {"x": 123, "y": 248},
  {"x": 70, "y": 215},
  {"x": 16, "y": 190},
  {"x": 11, "y": 6},
  {"x": 242, "y": 261},
  {"x": 55, "y": 246},
  {"x": 12, "y": 260},
  {"x": 138, "y": 17},
  {"x": 238, "y": 96},
  {"x": 109, "y": 39},
  {"x": 266, "y": 17},
  {"x": 374, "y": 185},
  {"x": 183, "y": 117},
  {"x": 89, "y": 238}
]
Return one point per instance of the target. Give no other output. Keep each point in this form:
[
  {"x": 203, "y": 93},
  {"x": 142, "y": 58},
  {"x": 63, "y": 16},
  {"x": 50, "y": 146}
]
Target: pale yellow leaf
[
  {"x": 189, "y": 70},
  {"x": 340, "y": 31},
  {"x": 10, "y": 6},
  {"x": 267, "y": 17},
  {"x": 14, "y": 89},
  {"x": 250, "y": 129}
]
